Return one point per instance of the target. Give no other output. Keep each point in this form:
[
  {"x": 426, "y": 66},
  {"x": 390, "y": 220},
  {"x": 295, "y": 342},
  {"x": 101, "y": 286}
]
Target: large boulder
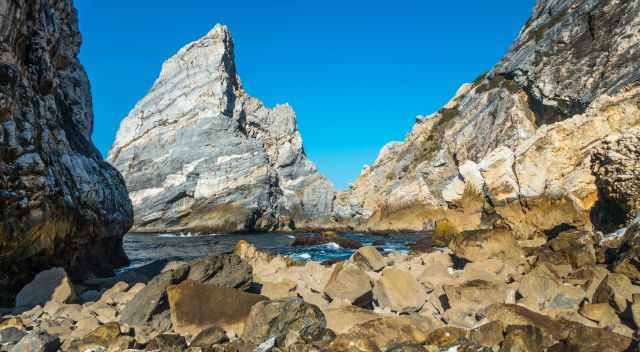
[
  {"x": 61, "y": 205},
  {"x": 350, "y": 284},
  {"x": 342, "y": 319},
  {"x": 37, "y": 341},
  {"x": 475, "y": 295},
  {"x": 226, "y": 270},
  {"x": 288, "y": 321},
  {"x": 196, "y": 306},
  {"x": 478, "y": 246},
  {"x": 51, "y": 285},
  {"x": 399, "y": 291},
  {"x": 368, "y": 258},
  {"x": 382, "y": 333},
  {"x": 153, "y": 297}
]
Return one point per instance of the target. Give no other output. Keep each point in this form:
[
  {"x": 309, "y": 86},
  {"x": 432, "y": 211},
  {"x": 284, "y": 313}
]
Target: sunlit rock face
[
  {"x": 60, "y": 203},
  {"x": 525, "y": 144},
  {"x": 199, "y": 154}
]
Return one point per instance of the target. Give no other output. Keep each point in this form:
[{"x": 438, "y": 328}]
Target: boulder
[
  {"x": 602, "y": 313},
  {"x": 152, "y": 299},
  {"x": 627, "y": 260},
  {"x": 399, "y": 291},
  {"x": 475, "y": 295},
  {"x": 541, "y": 290},
  {"x": 616, "y": 290},
  {"x": 489, "y": 334},
  {"x": 226, "y": 270},
  {"x": 476, "y": 246},
  {"x": 446, "y": 337},
  {"x": 51, "y": 285},
  {"x": 109, "y": 295},
  {"x": 277, "y": 290},
  {"x": 350, "y": 284},
  {"x": 208, "y": 337},
  {"x": 102, "y": 336},
  {"x": 383, "y": 333},
  {"x": 522, "y": 338},
  {"x": 368, "y": 258},
  {"x": 167, "y": 343},
  {"x": 37, "y": 341},
  {"x": 289, "y": 321},
  {"x": 343, "y": 319},
  {"x": 10, "y": 336},
  {"x": 196, "y": 306}
]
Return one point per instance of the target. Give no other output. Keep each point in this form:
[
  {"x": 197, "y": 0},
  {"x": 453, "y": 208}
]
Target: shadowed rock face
[
  {"x": 60, "y": 203},
  {"x": 516, "y": 145},
  {"x": 200, "y": 154}
]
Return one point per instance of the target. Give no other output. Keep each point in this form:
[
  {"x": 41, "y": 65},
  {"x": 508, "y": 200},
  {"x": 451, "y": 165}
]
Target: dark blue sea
[{"x": 146, "y": 248}]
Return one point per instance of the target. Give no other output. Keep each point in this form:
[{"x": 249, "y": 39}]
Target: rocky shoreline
[{"x": 486, "y": 291}]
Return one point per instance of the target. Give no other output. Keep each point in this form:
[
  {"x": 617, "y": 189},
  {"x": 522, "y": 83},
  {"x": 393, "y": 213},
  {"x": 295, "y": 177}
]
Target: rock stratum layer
[
  {"x": 60, "y": 203},
  {"x": 544, "y": 140},
  {"x": 199, "y": 154}
]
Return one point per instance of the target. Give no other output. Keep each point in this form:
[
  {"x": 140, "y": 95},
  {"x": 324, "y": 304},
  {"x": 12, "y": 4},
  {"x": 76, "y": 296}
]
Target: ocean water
[{"x": 146, "y": 248}]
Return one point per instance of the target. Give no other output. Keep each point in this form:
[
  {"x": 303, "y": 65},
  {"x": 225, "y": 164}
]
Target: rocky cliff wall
[
  {"x": 60, "y": 203},
  {"x": 199, "y": 154},
  {"x": 522, "y": 144}
]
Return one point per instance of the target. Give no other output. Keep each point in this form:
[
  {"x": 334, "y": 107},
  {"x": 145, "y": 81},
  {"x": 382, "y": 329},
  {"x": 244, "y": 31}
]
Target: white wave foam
[
  {"x": 302, "y": 256},
  {"x": 332, "y": 245}
]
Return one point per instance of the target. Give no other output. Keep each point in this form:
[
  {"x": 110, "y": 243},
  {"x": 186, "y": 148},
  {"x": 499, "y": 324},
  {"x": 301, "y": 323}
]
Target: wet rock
[
  {"x": 167, "y": 343},
  {"x": 349, "y": 283},
  {"x": 399, "y": 291},
  {"x": 209, "y": 337},
  {"x": 51, "y": 285},
  {"x": 368, "y": 258},
  {"x": 196, "y": 306},
  {"x": 289, "y": 321},
  {"x": 226, "y": 270},
  {"x": 152, "y": 299},
  {"x": 37, "y": 341}
]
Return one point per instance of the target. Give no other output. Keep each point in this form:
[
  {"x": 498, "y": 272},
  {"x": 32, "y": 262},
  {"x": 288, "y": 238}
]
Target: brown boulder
[
  {"x": 368, "y": 258},
  {"x": 349, "y": 283},
  {"x": 525, "y": 338},
  {"x": 399, "y": 291},
  {"x": 475, "y": 295},
  {"x": 195, "y": 306},
  {"x": 476, "y": 246},
  {"x": 384, "y": 332}
]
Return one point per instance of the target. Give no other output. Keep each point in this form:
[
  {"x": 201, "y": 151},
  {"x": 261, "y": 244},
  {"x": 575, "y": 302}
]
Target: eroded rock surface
[
  {"x": 198, "y": 153},
  {"x": 60, "y": 203}
]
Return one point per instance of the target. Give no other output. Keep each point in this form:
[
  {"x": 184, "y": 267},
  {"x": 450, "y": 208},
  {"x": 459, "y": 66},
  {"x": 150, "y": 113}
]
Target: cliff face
[
  {"x": 60, "y": 204},
  {"x": 199, "y": 154},
  {"x": 535, "y": 143}
]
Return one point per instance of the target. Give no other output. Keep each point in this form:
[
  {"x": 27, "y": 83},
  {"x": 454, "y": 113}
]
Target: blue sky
[{"x": 356, "y": 72}]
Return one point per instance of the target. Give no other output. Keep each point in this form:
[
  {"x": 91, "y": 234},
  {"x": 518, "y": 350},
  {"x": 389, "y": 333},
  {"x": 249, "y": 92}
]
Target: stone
[
  {"x": 195, "y": 306},
  {"x": 406, "y": 347},
  {"x": 234, "y": 165},
  {"x": 350, "y": 284},
  {"x": 277, "y": 290},
  {"x": 368, "y": 258},
  {"x": 616, "y": 290},
  {"x": 109, "y": 295},
  {"x": 123, "y": 343},
  {"x": 85, "y": 326},
  {"x": 51, "y": 285},
  {"x": 343, "y": 319},
  {"x": 446, "y": 337},
  {"x": 635, "y": 313},
  {"x": 289, "y": 321},
  {"x": 102, "y": 336},
  {"x": 541, "y": 289},
  {"x": 62, "y": 205},
  {"x": 152, "y": 299},
  {"x": 208, "y": 337},
  {"x": 383, "y": 333},
  {"x": 12, "y": 322},
  {"x": 37, "y": 341},
  {"x": 226, "y": 270},
  {"x": 483, "y": 245},
  {"x": 399, "y": 291},
  {"x": 475, "y": 295},
  {"x": 11, "y": 335},
  {"x": 167, "y": 343},
  {"x": 489, "y": 334},
  {"x": 522, "y": 338},
  {"x": 601, "y": 313}
]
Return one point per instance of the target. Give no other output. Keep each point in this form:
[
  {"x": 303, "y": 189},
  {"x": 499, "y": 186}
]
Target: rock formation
[
  {"x": 60, "y": 203},
  {"x": 199, "y": 154},
  {"x": 544, "y": 140}
]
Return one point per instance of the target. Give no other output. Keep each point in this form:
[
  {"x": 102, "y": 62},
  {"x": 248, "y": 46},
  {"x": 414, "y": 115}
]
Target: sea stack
[
  {"x": 60, "y": 203},
  {"x": 199, "y": 154}
]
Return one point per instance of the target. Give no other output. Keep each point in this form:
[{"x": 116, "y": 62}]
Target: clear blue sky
[{"x": 356, "y": 72}]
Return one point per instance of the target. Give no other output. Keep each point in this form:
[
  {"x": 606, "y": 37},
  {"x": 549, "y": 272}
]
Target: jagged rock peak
[{"x": 198, "y": 153}]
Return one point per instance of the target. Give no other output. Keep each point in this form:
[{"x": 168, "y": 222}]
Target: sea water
[{"x": 145, "y": 248}]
